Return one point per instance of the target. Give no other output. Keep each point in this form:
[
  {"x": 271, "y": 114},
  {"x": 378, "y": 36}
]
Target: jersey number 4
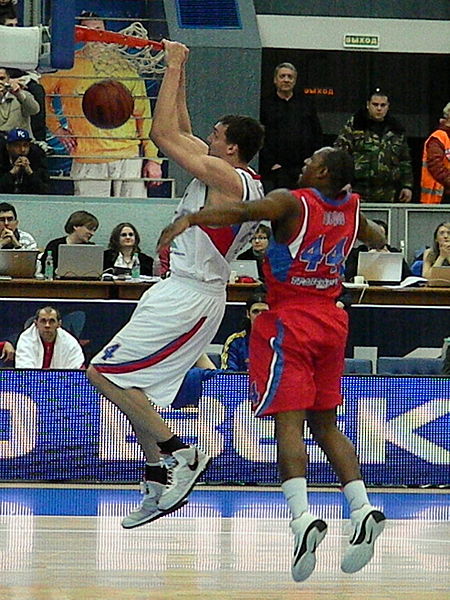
[{"x": 313, "y": 255}]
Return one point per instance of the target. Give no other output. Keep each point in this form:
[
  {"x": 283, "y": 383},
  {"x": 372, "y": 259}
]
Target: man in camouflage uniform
[{"x": 379, "y": 148}]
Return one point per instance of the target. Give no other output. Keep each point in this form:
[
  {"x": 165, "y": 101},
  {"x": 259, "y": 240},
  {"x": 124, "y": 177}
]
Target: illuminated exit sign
[{"x": 356, "y": 40}]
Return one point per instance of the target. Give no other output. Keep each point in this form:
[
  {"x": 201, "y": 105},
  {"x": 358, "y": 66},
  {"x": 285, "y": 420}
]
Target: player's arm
[
  {"x": 279, "y": 207},
  {"x": 171, "y": 129},
  {"x": 370, "y": 233}
]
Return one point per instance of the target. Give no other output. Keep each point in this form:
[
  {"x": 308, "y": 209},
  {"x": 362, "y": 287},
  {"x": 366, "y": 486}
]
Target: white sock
[
  {"x": 356, "y": 494},
  {"x": 295, "y": 492}
]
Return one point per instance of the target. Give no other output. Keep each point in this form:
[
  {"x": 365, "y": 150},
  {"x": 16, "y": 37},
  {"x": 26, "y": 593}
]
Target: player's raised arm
[
  {"x": 370, "y": 233},
  {"x": 171, "y": 130},
  {"x": 279, "y": 206}
]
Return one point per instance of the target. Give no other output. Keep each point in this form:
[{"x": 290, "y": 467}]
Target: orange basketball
[{"x": 107, "y": 104}]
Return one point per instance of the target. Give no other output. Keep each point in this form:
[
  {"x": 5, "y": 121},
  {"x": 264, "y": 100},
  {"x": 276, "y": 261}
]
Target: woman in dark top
[
  {"x": 80, "y": 227},
  {"x": 123, "y": 245},
  {"x": 259, "y": 242}
]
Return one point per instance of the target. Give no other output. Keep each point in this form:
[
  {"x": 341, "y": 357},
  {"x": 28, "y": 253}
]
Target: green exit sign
[{"x": 358, "y": 40}]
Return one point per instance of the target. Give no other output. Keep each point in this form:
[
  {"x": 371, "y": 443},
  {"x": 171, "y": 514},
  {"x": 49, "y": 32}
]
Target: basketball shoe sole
[
  {"x": 309, "y": 533},
  {"x": 189, "y": 464},
  {"x": 143, "y": 515},
  {"x": 368, "y": 523}
]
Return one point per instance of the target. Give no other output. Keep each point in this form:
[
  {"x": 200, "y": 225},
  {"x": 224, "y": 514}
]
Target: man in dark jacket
[
  {"x": 23, "y": 165},
  {"x": 379, "y": 148},
  {"x": 292, "y": 131}
]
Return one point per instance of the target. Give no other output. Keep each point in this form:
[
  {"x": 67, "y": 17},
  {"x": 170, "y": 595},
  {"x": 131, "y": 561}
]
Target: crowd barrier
[{"x": 55, "y": 427}]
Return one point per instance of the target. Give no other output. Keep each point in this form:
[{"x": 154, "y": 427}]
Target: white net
[{"x": 145, "y": 60}]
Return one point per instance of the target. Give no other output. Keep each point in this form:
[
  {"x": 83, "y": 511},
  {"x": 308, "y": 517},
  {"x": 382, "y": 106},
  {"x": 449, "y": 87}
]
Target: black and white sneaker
[
  {"x": 309, "y": 531},
  {"x": 184, "y": 467},
  {"x": 148, "y": 510},
  {"x": 368, "y": 523}
]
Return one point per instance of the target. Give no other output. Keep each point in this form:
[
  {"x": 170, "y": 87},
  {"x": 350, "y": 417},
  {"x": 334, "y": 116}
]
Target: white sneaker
[
  {"x": 309, "y": 531},
  {"x": 182, "y": 475},
  {"x": 368, "y": 523},
  {"x": 148, "y": 510}
]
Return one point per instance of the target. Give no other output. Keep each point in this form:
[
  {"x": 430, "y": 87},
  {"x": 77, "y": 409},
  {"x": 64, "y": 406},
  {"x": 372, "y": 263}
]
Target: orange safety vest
[{"x": 431, "y": 191}]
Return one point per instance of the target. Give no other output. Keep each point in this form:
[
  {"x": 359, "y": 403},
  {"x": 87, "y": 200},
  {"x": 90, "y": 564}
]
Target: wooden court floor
[{"x": 221, "y": 546}]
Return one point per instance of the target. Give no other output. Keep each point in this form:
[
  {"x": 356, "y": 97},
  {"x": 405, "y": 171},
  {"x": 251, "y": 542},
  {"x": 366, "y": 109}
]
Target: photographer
[
  {"x": 23, "y": 165},
  {"x": 16, "y": 104}
]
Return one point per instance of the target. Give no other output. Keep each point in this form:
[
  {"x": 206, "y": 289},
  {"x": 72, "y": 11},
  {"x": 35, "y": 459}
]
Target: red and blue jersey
[{"x": 311, "y": 262}]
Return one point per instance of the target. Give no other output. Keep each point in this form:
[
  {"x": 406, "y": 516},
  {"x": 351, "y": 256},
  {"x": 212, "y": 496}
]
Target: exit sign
[{"x": 357, "y": 40}]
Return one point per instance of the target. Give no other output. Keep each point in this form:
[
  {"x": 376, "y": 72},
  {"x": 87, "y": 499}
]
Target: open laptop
[
  {"x": 245, "y": 268},
  {"x": 439, "y": 277},
  {"x": 380, "y": 268},
  {"x": 18, "y": 263},
  {"x": 79, "y": 261}
]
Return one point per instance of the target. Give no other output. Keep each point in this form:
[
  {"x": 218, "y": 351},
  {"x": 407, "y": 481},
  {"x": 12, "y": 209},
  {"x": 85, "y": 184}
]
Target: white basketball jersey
[{"x": 202, "y": 252}]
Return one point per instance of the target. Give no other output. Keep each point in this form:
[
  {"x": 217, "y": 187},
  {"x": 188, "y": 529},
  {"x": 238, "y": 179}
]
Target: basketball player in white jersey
[{"x": 177, "y": 318}]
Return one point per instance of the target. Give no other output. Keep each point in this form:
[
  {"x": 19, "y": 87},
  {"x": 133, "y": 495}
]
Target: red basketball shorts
[{"x": 297, "y": 358}]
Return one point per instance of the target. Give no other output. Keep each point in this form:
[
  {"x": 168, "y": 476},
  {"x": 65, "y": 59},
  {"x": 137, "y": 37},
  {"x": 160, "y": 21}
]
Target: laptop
[
  {"x": 18, "y": 263},
  {"x": 79, "y": 261},
  {"x": 381, "y": 268},
  {"x": 439, "y": 277},
  {"x": 245, "y": 268}
]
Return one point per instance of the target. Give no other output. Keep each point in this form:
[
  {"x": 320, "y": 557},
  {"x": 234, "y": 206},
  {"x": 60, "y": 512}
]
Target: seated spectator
[
  {"x": 80, "y": 227},
  {"x": 8, "y": 15},
  {"x": 190, "y": 390},
  {"x": 17, "y": 104},
  {"x": 46, "y": 345},
  {"x": 260, "y": 243},
  {"x": 6, "y": 352},
  {"x": 23, "y": 165},
  {"x": 435, "y": 179},
  {"x": 439, "y": 254},
  {"x": 351, "y": 264},
  {"x": 28, "y": 80},
  {"x": 235, "y": 353},
  {"x": 123, "y": 245},
  {"x": 11, "y": 237}
]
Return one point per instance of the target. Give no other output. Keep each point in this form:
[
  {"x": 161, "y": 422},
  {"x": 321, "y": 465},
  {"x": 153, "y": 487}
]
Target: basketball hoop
[{"x": 131, "y": 43}]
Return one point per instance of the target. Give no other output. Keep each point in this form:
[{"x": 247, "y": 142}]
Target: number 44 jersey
[{"x": 310, "y": 264}]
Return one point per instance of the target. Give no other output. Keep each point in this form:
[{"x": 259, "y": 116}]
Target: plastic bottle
[
  {"x": 136, "y": 268},
  {"x": 49, "y": 268}
]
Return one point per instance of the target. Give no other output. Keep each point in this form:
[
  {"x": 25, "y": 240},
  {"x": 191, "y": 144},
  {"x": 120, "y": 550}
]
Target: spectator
[
  {"x": 11, "y": 237},
  {"x": 292, "y": 130},
  {"x": 123, "y": 245},
  {"x": 379, "y": 148},
  {"x": 8, "y": 16},
  {"x": 439, "y": 254},
  {"x": 235, "y": 353},
  {"x": 435, "y": 182},
  {"x": 30, "y": 81},
  {"x": 16, "y": 104},
  {"x": 351, "y": 264},
  {"x": 102, "y": 156},
  {"x": 260, "y": 243},
  {"x": 23, "y": 165},
  {"x": 46, "y": 345},
  {"x": 7, "y": 352},
  {"x": 80, "y": 227}
]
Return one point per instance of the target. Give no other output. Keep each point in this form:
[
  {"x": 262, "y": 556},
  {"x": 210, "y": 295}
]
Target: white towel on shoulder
[{"x": 67, "y": 353}]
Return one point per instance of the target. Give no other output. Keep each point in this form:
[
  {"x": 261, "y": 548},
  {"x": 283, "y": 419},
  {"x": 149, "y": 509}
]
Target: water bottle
[
  {"x": 136, "y": 268},
  {"x": 49, "y": 269}
]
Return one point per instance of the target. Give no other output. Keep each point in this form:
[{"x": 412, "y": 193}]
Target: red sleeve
[
  {"x": 436, "y": 162},
  {"x": 2, "y": 344}
]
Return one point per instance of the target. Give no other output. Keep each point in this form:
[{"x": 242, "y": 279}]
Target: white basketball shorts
[{"x": 172, "y": 325}]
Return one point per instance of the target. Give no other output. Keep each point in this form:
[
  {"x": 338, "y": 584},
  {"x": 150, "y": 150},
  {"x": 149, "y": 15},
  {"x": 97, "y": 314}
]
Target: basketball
[{"x": 107, "y": 104}]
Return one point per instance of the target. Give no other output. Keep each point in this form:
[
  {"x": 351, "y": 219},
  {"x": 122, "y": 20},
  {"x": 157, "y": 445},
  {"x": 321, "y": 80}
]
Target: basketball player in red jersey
[{"x": 299, "y": 343}]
